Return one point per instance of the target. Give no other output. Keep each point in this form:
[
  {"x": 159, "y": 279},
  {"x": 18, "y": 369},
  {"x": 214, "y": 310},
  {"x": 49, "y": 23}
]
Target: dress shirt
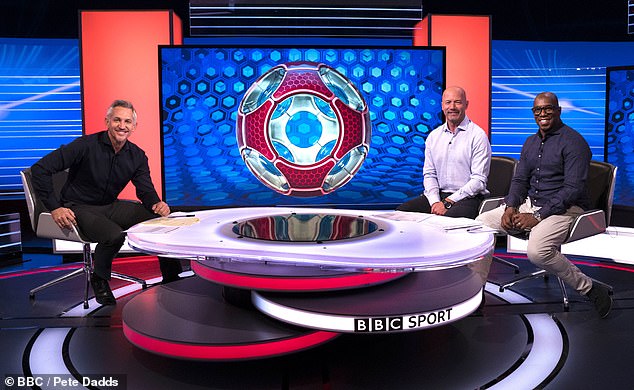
[
  {"x": 456, "y": 163},
  {"x": 553, "y": 172},
  {"x": 96, "y": 175}
]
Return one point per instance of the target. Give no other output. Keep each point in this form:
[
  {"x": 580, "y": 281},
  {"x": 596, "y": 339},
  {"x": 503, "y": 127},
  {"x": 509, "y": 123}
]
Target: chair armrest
[
  {"x": 489, "y": 204},
  {"x": 47, "y": 228},
  {"x": 587, "y": 224}
]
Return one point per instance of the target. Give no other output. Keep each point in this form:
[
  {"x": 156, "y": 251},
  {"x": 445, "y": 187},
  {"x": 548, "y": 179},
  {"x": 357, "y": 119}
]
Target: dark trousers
[
  {"x": 467, "y": 207},
  {"x": 105, "y": 225}
]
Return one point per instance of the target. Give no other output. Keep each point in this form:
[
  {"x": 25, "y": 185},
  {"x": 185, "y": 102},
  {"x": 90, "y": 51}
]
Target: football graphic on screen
[{"x": 303, "y": 129}]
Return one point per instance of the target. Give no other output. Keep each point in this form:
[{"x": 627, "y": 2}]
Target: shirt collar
[
  {"x": 106, "y": 140},
  {"x": 552, "y": 133},
  {"x": 462, "y": 126}
]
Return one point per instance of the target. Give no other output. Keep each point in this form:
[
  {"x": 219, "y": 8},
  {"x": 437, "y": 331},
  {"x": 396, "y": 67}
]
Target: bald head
[
  {"x": 454, "y": 106},
  {"x": 547, "y": 112},
  {"x": 549, "y": 96},
  {"x": 455, "y": 91}
]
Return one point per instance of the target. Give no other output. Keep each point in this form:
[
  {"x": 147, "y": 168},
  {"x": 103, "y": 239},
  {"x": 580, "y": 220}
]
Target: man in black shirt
[
  {"x": 99, "y": 166},
  {"x": 548, "y": 191}
]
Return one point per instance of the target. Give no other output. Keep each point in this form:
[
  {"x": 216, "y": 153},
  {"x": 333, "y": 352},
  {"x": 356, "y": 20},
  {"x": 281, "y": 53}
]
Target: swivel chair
[
  {"x": 601, "y": 180},
  {"x": 498, "y": 184},
  {"x": 45, "y": 227}
]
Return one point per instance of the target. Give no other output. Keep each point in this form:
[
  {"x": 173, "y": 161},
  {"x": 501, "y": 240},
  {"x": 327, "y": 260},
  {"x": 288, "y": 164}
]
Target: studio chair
[
  {"x": 45, "y": 227},
  {"x": 498, "y": 183},
  {"x": 601, "y": 180}
]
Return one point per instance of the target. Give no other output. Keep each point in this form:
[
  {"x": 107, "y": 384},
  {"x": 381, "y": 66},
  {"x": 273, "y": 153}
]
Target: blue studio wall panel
[
  {"x": 40, "y": 107},
  {"x": 576, "y": 72},
  {"x": 40, "y": 99},
  {"x": 620, "y": 131}
]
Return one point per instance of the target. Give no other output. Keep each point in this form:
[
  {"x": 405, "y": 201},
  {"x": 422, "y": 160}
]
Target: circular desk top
[{"x": 401, "y": 241}]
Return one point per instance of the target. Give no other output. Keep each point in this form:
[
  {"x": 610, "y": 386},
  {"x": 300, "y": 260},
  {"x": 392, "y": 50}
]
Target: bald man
[
  {"x": 457, "y": 161},
  {"x": 548, "y": 191}
]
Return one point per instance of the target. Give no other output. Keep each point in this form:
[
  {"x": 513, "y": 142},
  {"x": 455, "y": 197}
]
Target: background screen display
[
  {"x": 202, "y": 88},
  {"x": 619, "y": 143}
]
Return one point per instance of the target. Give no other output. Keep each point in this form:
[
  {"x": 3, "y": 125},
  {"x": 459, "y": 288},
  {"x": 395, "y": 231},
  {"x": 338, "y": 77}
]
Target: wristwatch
[
  {"x": 447, "y": 204},
  {"x": 537, "y": 216}
]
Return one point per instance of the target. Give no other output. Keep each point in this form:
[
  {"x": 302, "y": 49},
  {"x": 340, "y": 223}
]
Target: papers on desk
[
  {"x": 403, "y": 216},
  {"x": 449, "y": 223},
  {"x": 438, "y": 221},
  {"x": 164, "y": 224}
]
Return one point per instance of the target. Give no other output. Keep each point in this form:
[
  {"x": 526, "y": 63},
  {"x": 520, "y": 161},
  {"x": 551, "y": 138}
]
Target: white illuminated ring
[
  {"x": 347, "y": 324},
  {"x": 544, "y": 354}
]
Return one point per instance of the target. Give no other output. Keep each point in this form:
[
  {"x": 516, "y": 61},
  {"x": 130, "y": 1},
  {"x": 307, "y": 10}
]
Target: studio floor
[{"x": 521, "y": 338}]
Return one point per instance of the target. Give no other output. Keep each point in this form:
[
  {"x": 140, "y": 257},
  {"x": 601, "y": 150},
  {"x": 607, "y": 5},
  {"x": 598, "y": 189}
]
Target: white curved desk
[
  {"x": 409, "y": 244},
  {"x": 334, "y": 271}
]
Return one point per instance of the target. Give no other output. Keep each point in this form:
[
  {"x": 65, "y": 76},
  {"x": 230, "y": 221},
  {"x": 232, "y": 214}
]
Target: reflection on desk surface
[{"x": 310, "y": 227}]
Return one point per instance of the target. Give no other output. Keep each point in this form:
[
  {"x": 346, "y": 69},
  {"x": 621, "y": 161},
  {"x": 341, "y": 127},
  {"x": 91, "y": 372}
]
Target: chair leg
[
  {"x": 88, "y": 266},
  {"x": 129, "y": 278},
  {"x": 532, "y": 275},
  {"x": 564, "y": 293},
  {"x": 55, "y": 281},
  {"x": 516, "y": 268}
]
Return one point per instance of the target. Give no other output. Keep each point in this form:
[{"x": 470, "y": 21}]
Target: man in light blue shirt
[{"x": 457, "y": 161}]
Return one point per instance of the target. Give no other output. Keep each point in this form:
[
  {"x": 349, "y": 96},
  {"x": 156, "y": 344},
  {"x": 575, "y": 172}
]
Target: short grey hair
[{"x": 124, "y": 104}]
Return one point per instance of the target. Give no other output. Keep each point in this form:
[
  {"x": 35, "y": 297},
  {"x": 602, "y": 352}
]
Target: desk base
[
  {"x": 189, "y": 319},
  {"x": 417, "y": 301}
]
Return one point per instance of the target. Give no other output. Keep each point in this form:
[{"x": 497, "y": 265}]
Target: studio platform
[{"x": 519, "y": 339}]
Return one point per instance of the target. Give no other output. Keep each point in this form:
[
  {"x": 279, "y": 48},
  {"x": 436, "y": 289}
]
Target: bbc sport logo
[{"x": 408, "y": 322}]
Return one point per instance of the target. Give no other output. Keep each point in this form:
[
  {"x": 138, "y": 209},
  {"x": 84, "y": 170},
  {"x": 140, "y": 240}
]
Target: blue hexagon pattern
[{"x": 201, "y": 88}]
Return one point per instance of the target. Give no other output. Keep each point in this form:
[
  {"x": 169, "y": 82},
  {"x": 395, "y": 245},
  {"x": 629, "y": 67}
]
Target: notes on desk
[
  {"x": 447, "y": 224},
  {"x": 403, "y": 216},
  {"x": 172, "y": 221},
  {"x": 450, "y": 223},
  {"x": 164, "y": 224}
]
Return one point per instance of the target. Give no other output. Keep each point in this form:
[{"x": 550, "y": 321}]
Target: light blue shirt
[{"x": 456, "y": 163}]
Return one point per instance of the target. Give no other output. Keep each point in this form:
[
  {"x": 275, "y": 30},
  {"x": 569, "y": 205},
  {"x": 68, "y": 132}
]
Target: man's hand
[
  {"x": 507, "y": 218},
  {"x": 64, "y": 217},
  {"x": 161, "y": 208},
  {"x": 438, "y": 208},
  {"x": 524, "y": 221}
]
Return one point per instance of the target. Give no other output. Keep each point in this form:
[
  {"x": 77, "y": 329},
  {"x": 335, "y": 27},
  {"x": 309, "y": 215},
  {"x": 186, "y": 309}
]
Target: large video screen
[
  {"x": 619, "y": 141},
  {"x": 266, "y": 126}
]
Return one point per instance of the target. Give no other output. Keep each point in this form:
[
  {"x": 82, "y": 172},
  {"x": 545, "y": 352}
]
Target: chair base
[
  {"x": 62, "y": 278},
  {"x": 86, "y": 269},
  {"x": 538, "y": 274},
  {"x": 562, "y": 286}
]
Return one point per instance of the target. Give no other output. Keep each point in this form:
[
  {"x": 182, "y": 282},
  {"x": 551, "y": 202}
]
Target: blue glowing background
[
  {"x": 40, "y": 104},
  {"x": 620, "y": 131},
  {"x": 576, "y": 72},
  {"x": 201, "y": 88}
]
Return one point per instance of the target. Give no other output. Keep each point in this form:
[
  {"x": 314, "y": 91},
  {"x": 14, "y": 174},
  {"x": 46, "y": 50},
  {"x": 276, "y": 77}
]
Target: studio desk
[{"x": 272, "y": 281}]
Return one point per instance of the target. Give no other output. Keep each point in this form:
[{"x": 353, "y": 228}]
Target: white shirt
[{"x": 457, "y": 163}]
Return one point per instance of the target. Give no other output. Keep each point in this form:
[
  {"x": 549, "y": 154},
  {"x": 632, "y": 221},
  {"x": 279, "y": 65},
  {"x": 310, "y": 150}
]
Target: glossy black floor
[{"x": 480, "y": 351}]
